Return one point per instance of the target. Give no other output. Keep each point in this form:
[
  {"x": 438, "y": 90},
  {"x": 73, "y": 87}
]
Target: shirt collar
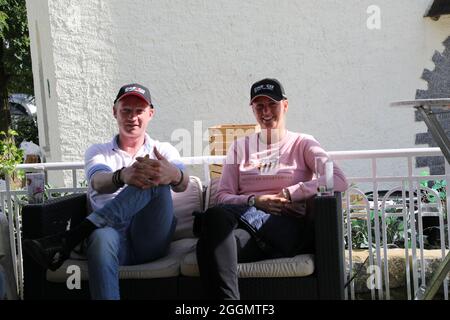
[{"x": 148, "y": 143}]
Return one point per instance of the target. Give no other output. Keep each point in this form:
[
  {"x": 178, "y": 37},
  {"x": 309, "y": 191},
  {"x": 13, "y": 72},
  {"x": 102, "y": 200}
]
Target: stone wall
[{"x": 397, "y": 270}]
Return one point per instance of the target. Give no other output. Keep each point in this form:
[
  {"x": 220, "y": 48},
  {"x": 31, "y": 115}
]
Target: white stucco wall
[{"x": 200, "y": 57}]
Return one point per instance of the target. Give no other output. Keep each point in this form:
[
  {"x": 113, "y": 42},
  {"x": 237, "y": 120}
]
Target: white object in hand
[{"x": 329, "y": 175}]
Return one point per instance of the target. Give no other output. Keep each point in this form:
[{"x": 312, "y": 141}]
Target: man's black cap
[
  {"x": 135, "y": 89},
  {"x": 271, "y": 88}
]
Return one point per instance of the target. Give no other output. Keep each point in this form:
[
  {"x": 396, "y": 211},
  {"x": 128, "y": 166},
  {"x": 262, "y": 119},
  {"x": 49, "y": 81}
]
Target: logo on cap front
[
  {"x": 136, "y": 89},
  {"x": 270, "y": 87}
]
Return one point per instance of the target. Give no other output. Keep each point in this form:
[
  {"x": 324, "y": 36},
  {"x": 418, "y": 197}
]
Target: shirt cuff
[{"x": 296, "y": 192}]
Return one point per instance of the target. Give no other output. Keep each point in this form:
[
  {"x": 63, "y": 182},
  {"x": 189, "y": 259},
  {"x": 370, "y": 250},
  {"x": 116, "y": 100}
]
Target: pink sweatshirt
[{"x": 253, "y": 167}]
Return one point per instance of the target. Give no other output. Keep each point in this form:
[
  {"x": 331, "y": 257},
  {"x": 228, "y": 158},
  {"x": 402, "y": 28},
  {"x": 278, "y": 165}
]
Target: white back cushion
[
  {"x": 211, "y": 193},
  {"x": 184, "y": 204}
]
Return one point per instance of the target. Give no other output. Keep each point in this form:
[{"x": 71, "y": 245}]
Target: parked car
[
  {"x": 22, "y": 105},
  {"x": 24, "y": 117}
]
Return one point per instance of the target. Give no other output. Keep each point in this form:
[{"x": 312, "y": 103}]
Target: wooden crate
[{"x": 222, "y": 136}]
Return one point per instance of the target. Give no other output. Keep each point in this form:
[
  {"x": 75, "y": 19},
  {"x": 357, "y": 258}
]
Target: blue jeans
[{"x": 134, "y": 228}]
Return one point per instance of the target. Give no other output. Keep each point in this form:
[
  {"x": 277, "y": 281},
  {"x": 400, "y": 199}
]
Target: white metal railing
[
  {"x": 377, "y": 242},
  {"x": 411, "y": 209}
]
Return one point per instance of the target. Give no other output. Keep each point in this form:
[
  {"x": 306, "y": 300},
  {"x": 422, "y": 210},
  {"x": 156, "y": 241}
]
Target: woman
[{"x": 264, "y": 181}]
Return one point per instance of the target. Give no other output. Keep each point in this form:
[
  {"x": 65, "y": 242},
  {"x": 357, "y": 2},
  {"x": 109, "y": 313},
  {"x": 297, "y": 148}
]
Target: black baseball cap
[
  {"x": 268, "y": 87},
  {"x": 135, "y": 89}
]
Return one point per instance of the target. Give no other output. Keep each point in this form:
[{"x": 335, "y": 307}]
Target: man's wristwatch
[
  {"x": 179, "y": 181},
  {"x": 286, "y": 193},
  {"x": 251, "y": 201},
  {"x": 116, "y": 179}
]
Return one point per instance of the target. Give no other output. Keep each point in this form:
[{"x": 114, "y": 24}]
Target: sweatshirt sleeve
[
  {"x": 229, "y": 181},
  {"x": 304, "y": 190}
]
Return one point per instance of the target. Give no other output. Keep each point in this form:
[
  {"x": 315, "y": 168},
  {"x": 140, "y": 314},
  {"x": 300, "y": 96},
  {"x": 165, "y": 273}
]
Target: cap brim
[
  {"x": 266, "y": 95},
  {"x": 134, "y": 93}
]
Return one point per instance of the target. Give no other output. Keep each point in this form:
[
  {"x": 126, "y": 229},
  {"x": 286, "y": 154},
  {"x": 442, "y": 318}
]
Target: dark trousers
[{"x": 223, "y": 244}]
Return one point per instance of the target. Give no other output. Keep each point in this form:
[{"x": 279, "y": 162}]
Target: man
[{"x": 129, "y": 183}]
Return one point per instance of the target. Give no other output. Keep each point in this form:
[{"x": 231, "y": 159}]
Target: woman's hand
[{"x": 271, "y": 203}]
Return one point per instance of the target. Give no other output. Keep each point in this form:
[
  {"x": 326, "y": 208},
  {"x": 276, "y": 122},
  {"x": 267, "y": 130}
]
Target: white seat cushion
[
  {"x": 184, "y": 203},
  {"x": 298, "y": 266},
  {"x": 166, "y": 267}
]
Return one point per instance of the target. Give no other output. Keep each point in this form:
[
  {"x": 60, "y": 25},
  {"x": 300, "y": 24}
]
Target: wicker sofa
[{"x": 307, "y": 276}]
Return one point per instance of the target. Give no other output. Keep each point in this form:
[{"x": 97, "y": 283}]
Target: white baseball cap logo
[
  {"x": 264, "y": 87},
  {"x": 136, "y": 89}
]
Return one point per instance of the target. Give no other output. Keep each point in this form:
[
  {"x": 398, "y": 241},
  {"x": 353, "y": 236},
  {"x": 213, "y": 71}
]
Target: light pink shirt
[{"x": 254, "y": 168}]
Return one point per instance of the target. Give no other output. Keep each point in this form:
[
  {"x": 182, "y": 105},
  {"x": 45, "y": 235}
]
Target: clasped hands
[
  {"x": 146, "y": 173},
  {"x": 278, "y": 205}
]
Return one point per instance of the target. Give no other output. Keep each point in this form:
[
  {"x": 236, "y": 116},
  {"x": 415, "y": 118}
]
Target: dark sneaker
[{"x": 49, "y": 252}]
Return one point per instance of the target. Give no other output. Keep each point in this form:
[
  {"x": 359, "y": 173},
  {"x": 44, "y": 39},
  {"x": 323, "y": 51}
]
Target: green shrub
[{"x": 10, "y": 154}]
